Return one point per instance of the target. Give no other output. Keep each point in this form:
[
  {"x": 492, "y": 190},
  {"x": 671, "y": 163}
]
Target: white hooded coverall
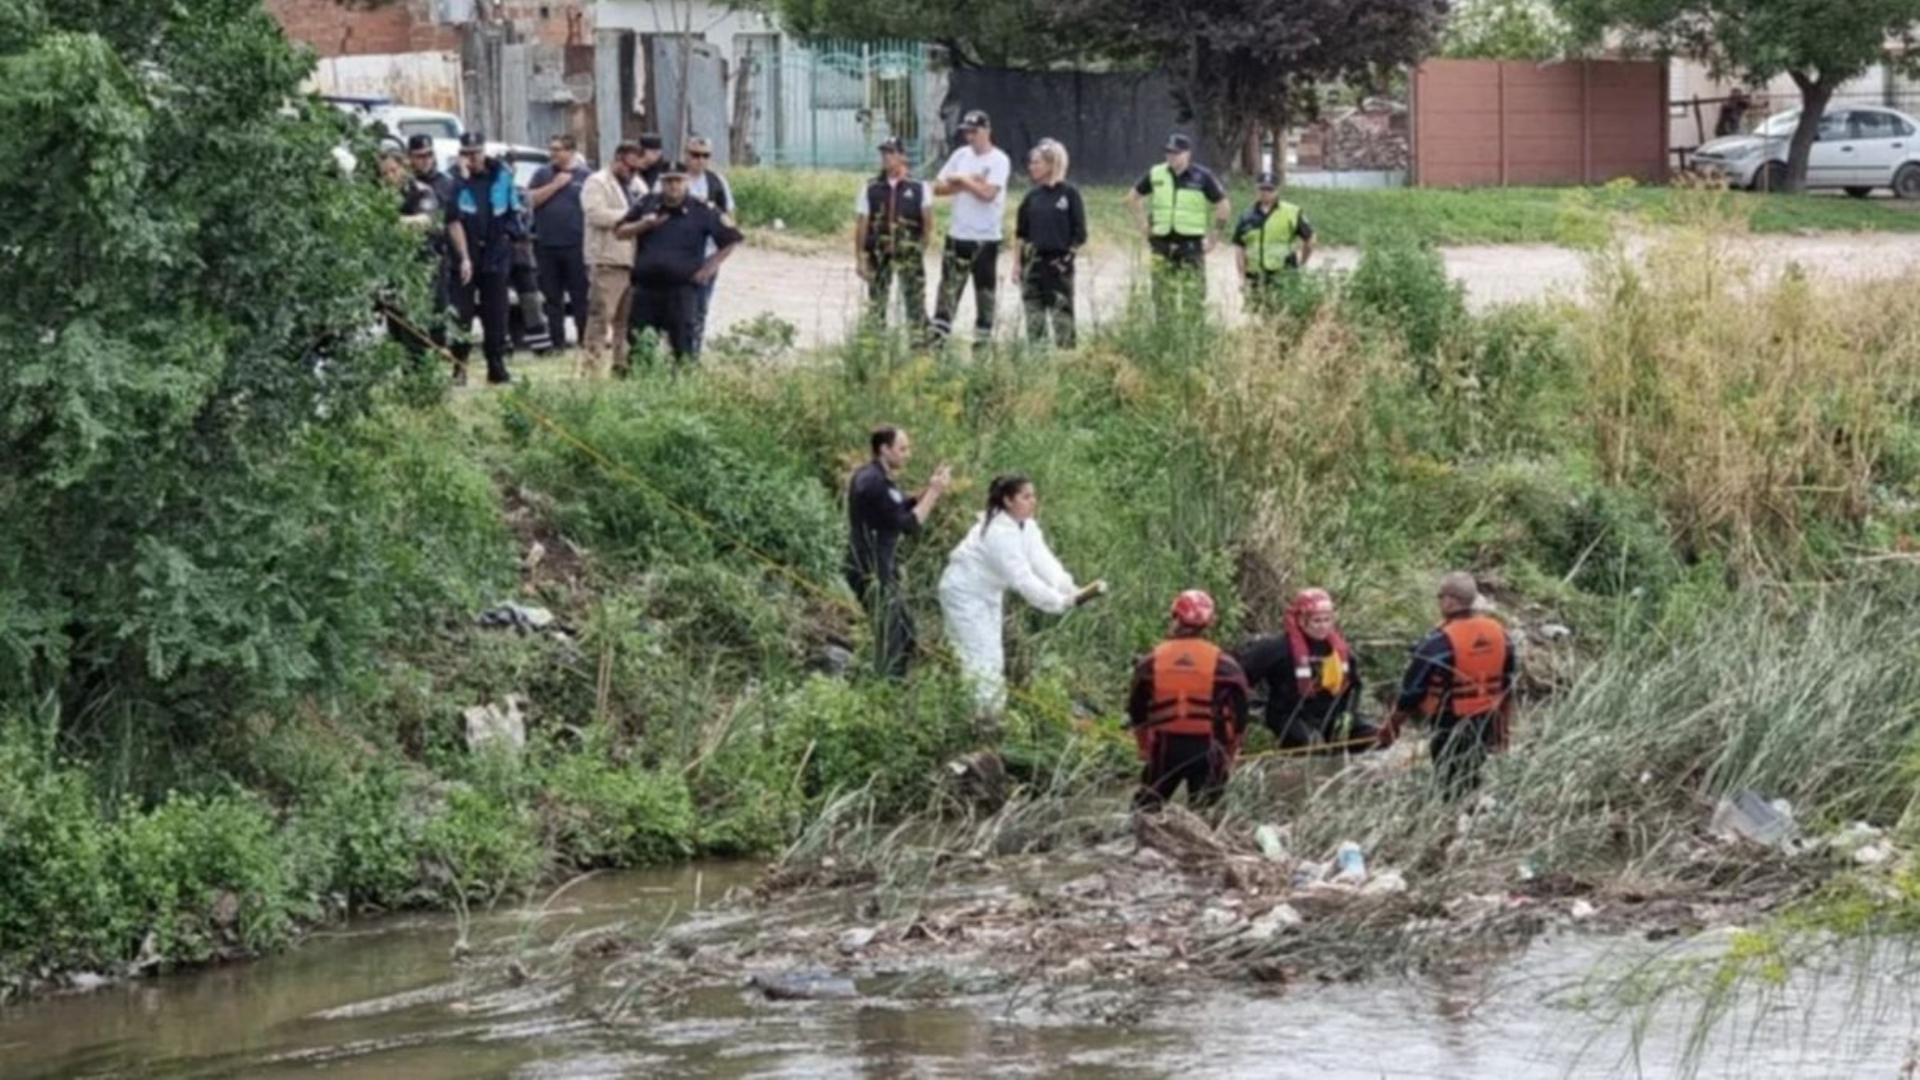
[{"x": 1005, "y": 555}]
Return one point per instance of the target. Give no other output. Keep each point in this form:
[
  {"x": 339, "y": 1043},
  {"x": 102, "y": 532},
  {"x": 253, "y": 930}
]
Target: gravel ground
[{"x": 818, "y": 292}]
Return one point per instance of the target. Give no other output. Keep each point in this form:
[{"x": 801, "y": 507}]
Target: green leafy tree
[
  {"x": 1504, "y": 30},
  {"x": 185, "y": 356},
  {"x": 1819, "y": 45}
]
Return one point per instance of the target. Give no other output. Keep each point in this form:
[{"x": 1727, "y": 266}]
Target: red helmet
[
  {"x": 1193, "y": 609},
  {"x": 1312, "y": 602}
]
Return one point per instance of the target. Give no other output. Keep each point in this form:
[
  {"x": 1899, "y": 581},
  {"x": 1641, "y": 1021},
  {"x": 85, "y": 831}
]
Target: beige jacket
[{"x": 605, "y": 205}]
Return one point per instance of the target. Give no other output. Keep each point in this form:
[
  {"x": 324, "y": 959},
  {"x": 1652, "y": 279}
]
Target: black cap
[
  {"x": 893, "y": 146},
  {"x": 1266, "y": 180},
  {"x": 674, "y": 169},
  {"x": 419, "y": 144},
  {"x": 473, "y": 140},
  {"x": 651, "y": 140},
  {"x": 975, "y": 118},
  {"x": 1178, "y": 143}
]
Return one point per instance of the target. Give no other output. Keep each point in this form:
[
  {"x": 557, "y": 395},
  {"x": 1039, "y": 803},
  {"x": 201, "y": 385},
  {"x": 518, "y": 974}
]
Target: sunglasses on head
[{"x": 699, "y": 154}]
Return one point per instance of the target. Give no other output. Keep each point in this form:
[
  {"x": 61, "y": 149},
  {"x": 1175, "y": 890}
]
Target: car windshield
[{"x": 1781, "y": 124}]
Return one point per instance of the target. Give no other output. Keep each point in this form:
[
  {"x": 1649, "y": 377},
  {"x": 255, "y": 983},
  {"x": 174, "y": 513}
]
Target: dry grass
[{"x": 1752, "y": 404}]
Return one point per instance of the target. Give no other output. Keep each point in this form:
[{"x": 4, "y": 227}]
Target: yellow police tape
[{"x": 792, "y": 574}]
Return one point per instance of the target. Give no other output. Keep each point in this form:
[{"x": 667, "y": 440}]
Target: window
[
  {"x": 1872, "y": 124},
  {"x": 1833, "y": 126}
]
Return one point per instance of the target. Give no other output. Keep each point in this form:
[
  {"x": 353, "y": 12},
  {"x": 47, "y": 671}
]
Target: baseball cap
[
  {"x": 674, "y": 169},
  {"x": 1266, "y": 180},
  {"x": 473, "y": 140},
  {"x": 651, "y": 140},
  {"x": 419, "y": 144},
  {"x": 893, "y": 146},
  {"x": 1178, "y": 143},
  {"x": 975, "y": 118}
]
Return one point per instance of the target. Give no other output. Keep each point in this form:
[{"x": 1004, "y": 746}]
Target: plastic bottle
[{"x": 1350, "y": 860}]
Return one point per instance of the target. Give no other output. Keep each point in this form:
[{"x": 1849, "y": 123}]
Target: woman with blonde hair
[{"x": 1051, "y": 226}]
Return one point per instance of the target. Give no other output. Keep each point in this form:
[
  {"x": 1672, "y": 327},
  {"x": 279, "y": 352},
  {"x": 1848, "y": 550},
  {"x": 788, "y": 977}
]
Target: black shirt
[
  {"x": 429, "y": 195},
  {"x": 561, "y": 222},
  {"x": 1270, "y": 660},
  {"x": 1052, "y": 220},
  {"x": 878, "y": 514},
  {"x": 669, "y": 254}
]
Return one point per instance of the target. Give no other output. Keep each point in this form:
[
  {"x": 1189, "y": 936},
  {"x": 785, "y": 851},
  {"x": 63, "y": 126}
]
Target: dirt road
[{"x": 818, "y": 292}]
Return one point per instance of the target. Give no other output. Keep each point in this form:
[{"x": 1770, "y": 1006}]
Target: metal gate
[{"x": 827, "y": 105}]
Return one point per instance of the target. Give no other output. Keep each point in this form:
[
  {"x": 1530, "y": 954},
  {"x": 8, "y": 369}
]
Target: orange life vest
[
  {"x": 1183, "y": 673},
  {"x": 1477, "y": 683}
]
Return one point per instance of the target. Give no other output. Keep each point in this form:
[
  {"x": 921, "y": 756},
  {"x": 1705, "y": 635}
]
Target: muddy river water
[{"x": 387, "y": 999}]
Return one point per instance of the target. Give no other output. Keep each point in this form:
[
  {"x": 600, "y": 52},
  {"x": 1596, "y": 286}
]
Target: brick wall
[{"x": 407, "y": 25}]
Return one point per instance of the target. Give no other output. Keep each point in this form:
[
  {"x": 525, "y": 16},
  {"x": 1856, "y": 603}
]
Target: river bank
[{"x": 388, "y": 998}]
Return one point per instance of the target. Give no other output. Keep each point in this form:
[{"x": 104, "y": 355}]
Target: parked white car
[
  {"x": 1858, "y": 149},
  {"x": 397, "y": 122}
]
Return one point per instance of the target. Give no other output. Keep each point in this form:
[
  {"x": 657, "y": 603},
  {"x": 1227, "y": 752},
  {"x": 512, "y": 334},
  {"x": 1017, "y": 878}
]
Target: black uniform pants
[
  {"x": 1046, "y": 290},
  {"x": 487, "y": 296},
  {"x": 1198, "y": 761},
  {"x": 906, "y": 264},
  {"x": 965, "y": 260},
  {"x": 1264, "y": 286},
  {"x": 1340, "y": 733},
  {"x": 894, "y": 635},
  {"x": 1460, "y": 749},
  {"x": 563, "y": 282},
  {"x": 671, "y": 311}
]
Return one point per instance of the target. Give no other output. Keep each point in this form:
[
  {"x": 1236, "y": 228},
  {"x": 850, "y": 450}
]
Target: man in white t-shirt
[{"x": 976, "y": 176}]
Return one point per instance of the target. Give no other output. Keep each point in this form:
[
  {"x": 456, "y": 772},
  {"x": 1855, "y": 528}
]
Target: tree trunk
[{"x": 1814, "y": 96}]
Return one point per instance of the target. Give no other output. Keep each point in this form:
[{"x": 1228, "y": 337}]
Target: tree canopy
[
  {"x": 1237, "y": 64},
  {"x": 1504, "y": 30},
  {"x": 185, "y": 326},
  {"x": 1818, "y": 44}
]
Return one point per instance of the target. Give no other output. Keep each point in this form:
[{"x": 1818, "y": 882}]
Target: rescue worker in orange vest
[
  {"x": 1461, "y": 682},
  {"x": 1312, "y": 680},
  {"x": 1187, "y": 710}
]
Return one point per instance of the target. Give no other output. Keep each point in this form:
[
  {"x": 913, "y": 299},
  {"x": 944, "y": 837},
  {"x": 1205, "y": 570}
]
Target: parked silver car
[{"x": 1858, "y": 149}]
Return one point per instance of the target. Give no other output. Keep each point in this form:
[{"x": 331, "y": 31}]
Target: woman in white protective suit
[{"x": 1004, "y": 550}]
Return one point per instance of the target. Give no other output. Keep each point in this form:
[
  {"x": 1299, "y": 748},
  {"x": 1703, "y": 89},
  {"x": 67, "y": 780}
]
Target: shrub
[
  {"x": 484, "y": 840},
  {"x": 693, "y": 480},
  {"x": 888, "y": 739},
  {"x": 206, "y": 875},
  {"x": 1401, "y": 286},
  {"x": 59, "y": 897},
  {"x": 605, "y": 813}
]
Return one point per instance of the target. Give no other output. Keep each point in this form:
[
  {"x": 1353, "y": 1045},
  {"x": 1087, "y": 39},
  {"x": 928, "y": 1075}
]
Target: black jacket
[
  {"x": 1271, "y": 660},
  {"x": 1052, "y": 220},
  {"x": 878, "y": 514}
]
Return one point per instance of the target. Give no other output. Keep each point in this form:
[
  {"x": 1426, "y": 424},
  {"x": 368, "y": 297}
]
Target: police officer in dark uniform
[
  {"x": 484, "y": 221},
  {"x": 423, "y": 202},
  {"x": 670, "y": 260},
  {"x": 878, "y": 515},
  {"x": 893, "y": 218}
]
